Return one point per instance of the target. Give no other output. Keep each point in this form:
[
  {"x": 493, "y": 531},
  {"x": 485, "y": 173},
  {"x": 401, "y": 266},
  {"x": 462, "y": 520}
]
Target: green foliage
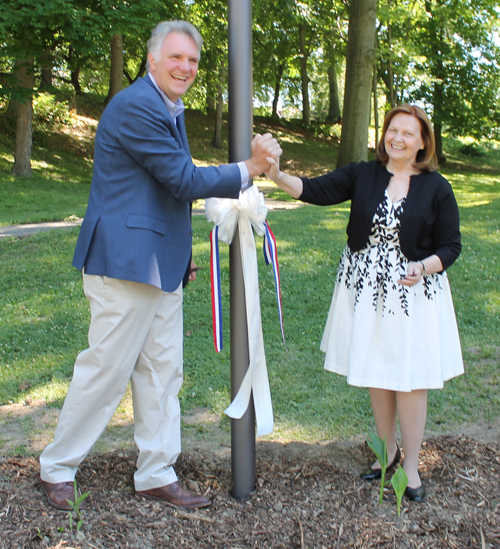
[
  {"x": 379, "y": 448},
  {"x": 50, "y": 113},
  {"x": 75, "y": 506},
  {"x": 399, "y": 481},
  {"x": 443, "y": 54},
  {"x": 471, "y": 149}
]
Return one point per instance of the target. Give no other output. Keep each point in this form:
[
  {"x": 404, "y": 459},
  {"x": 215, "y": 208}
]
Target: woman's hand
[
  {"x": 414, "y": 274},
  {"x": 288, "y": 183},
  {"x": 274, "y": 168}
]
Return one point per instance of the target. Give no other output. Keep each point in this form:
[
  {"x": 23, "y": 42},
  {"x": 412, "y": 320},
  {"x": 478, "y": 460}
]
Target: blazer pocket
[{"x": 145, "y": 222}]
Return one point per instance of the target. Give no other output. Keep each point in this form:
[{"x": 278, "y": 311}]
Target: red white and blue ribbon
[
  {"x": 216, "y": 291},
  {"x": 248, "y": 214},
  {"x": 271, "y": 257},
  {"x": 270, "y": 250}
]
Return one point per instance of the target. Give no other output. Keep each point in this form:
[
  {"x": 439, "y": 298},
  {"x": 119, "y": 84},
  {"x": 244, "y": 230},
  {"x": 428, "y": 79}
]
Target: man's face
[{"x": 177, "y": 65}]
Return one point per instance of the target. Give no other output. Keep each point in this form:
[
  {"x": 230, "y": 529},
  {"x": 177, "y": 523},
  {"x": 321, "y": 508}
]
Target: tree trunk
[
  {"x": 358, "y": 82},
  {"x": 46, "y": 69},
  {"x": 116, "y": 69},
  {"x": 437, "y": 121},
  {"x": 438, "y": 71},
  {"x": 217, "y": 140},
  {"x": 334, "y": 115},
  {"x": 375, "y": 103},
  {"x": 75, "y": 80},
  {"x": 211, "y": 89},
  {"x": 375, "y": 94},
  {"x": 141, "y": 71},
  {"x": 390, "y": 72},
  {"x": 304, "y": 78},
  {"x": 277, "y": 89},
  {"x": 24, "y": 122}
]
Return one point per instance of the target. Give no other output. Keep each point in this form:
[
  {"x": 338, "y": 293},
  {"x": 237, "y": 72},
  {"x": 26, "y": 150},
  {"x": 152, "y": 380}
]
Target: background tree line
[{"x": 322, "y": 61}]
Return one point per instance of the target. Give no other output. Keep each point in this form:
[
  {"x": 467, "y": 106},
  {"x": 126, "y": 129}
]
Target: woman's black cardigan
[{"x": 429, "y": 223}]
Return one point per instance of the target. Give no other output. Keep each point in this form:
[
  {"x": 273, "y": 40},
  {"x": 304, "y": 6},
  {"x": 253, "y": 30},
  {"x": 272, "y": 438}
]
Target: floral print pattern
[{"x": 378, "y": 267}]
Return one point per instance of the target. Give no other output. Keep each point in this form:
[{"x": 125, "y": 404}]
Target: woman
[{"x": 391, "y": 325}]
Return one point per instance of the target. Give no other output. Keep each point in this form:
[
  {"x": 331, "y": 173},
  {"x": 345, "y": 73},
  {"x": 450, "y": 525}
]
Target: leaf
[
  {"x": 379, "y": 448},
  {"x": 399, "y": 482}
]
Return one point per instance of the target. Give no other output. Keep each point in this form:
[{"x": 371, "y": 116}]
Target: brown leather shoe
[
  {"x": 58, "y": 493},
  {"x": 174, "y": 494}
]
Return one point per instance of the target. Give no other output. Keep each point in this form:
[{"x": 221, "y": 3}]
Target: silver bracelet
[{"x": 423, "y": 266}]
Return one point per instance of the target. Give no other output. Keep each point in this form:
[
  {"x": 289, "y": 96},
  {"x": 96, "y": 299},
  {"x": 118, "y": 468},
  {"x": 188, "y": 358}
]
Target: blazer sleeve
[{"x": 148, "y": 134}]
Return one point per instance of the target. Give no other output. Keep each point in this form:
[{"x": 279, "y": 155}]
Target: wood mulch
[{"x": 300, "y": 501}]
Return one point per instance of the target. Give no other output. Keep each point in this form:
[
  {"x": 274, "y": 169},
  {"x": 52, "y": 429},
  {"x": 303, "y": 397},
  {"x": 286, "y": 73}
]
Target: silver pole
[{"x": 240, "y": 135}]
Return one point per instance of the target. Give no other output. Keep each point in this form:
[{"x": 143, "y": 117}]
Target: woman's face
[{"x": 403, "y": 138}]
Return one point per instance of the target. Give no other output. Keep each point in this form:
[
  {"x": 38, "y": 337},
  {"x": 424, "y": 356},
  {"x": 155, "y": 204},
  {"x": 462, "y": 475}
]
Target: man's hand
[
  {"x": 263, "y": 146},
  {"x": 192, "y": 271}
]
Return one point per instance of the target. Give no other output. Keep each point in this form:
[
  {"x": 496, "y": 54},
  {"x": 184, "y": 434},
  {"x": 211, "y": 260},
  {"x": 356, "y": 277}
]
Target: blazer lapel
[
  {"x": 178, "y": 128},
  {"x": 181, "y": 127}
]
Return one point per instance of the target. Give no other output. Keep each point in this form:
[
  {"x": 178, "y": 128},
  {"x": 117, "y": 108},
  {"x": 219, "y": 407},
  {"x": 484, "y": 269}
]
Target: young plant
[
  {"x": 399, "y": 481},
  {"x": 75, "y": 506},
  {"x": 379, "y": 448}
]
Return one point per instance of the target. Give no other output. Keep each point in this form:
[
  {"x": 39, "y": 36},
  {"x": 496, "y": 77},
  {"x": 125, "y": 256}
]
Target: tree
[
  {"x": 272, "y": 32},
  {"x": 210, "y": 17},
  {"x": 441, "y": 53},
  {"x": 24, "y": 119},
  {"x": 358, "y": 84},
  {"x": 332, "y": 29},
  {"x": 18, "y": 19},
  {"x": 116, "y": 69}
]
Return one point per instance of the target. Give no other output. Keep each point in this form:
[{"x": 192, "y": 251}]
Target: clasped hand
[{"x": 263, "y": 147}]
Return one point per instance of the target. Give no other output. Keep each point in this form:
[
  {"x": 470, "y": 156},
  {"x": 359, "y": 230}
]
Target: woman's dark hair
[{"x": 426, "y": 160}]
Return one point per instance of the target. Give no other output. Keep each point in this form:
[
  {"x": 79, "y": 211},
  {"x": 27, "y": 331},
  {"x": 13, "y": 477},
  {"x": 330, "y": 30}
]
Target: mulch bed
[{"x": 299, "y": 502}]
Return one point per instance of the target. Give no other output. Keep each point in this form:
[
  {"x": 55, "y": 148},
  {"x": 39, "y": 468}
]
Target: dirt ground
[{"x": 306, "y": 495}]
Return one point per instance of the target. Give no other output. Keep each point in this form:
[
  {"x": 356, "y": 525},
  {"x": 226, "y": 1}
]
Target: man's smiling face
[{"x": 177, "y": 65}]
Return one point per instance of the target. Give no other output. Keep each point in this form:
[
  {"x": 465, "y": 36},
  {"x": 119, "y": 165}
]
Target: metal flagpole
[{"x": 240, "y": 135}]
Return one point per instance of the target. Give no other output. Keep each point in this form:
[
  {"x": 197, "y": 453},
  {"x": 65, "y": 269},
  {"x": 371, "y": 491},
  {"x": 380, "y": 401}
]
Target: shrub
[{"x": 50, "y": 113}]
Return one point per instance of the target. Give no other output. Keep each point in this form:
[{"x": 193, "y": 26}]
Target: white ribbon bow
[{"x": 248, "y": 211}]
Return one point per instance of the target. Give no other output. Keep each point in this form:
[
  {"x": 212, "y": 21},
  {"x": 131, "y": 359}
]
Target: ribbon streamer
[
  {"x": 216, "y": 291},
  {"x": 271, "y": 256},
  {"x": 248, "y": 213}
]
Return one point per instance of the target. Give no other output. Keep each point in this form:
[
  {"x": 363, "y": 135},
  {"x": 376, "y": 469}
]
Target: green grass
[
  {"x": 58, "y": 189},
  {"x": 45, "y": 318},
  {"x": 44, "y": 314}
]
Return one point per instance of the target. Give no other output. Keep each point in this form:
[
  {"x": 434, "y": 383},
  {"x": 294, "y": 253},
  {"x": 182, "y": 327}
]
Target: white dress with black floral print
[{"x": 385, "y": 335}]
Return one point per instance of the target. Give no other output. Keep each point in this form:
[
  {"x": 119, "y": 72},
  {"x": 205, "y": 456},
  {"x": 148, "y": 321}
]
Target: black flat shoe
[
  {"x": 375, "y": 474},
  {"x": 415, "y": 494}
]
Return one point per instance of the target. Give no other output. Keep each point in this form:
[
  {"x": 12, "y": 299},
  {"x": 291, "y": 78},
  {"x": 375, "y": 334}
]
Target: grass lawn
[
  {"x": 45, "y": 318},
  {"x": 44, "y": 315}
]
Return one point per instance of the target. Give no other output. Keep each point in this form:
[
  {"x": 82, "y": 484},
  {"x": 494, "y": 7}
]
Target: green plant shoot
[
  {"x": 399, "y": 481},
  {"x": 379, "y": 448},
  {"x": 75, "y": 506}
]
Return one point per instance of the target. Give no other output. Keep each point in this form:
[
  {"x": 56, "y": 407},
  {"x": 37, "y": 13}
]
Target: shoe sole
[{"x": 192, "y": 506}]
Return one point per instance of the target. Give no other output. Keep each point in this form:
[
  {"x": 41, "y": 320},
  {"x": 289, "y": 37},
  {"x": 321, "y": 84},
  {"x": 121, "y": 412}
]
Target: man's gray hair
[{"x": 162, "y": 30}]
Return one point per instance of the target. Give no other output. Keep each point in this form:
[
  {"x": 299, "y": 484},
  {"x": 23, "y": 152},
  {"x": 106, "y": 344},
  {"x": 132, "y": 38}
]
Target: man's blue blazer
[{"x": 138, "y": 223}]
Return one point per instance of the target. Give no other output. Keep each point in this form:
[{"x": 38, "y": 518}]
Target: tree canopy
[{"x": 441, "y": 54}]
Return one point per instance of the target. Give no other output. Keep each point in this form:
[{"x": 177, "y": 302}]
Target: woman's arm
[
  {"x": 291, "y": 184},
  {"x": 416, "y": 269}
]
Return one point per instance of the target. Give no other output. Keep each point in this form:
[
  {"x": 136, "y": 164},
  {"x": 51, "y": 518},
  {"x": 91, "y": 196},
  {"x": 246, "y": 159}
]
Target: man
[{"x": 135, "y": 251}]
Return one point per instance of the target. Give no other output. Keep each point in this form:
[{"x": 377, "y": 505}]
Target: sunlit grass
[
  {"x": 44, "y": 314},
  {"x": 45, "y": 319}
]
